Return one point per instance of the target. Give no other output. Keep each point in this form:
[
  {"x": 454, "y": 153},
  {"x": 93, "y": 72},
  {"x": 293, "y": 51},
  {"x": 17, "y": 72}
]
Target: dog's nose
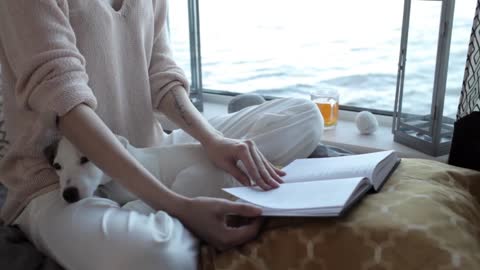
[{"x": 71, "y": 195}]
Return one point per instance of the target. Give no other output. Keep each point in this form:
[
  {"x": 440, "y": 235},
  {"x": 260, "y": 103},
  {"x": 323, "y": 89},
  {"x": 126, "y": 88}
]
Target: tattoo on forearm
[{"x": 180, "y": 107}]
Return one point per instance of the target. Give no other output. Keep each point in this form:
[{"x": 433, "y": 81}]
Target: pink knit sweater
[{"x": 56, "y": 54}]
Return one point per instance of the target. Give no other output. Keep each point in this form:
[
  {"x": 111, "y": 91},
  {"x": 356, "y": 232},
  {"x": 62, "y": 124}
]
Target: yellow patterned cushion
[{"x": 427, "y": 216}]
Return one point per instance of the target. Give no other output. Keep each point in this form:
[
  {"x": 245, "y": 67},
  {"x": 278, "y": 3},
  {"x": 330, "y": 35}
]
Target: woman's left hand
[{"x": 225, "y": 154}]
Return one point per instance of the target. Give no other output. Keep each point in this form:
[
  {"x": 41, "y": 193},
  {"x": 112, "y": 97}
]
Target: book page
[
  {"x": 301, "y": 195},
  {"x": 312, "y": 169}
]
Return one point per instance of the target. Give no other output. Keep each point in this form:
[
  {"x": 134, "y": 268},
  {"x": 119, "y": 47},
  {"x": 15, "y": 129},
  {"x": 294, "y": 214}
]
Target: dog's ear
[{"x": 50, "y": 151}]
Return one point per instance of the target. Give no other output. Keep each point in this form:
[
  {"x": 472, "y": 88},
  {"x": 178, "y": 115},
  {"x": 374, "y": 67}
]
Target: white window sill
[{"x": 345, "y": 135}]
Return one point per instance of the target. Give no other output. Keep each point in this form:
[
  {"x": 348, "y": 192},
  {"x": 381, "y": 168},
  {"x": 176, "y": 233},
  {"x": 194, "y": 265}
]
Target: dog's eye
[
  {"x": 83, "y": 160},
  {"x": 57, "y": 166}
]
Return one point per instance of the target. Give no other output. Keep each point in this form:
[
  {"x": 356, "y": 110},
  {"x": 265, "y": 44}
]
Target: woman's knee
[
  {"x": 294, "y": 130},
  {"x": 298, "y": 104},
  {"x": 153, "y": 257},
  {"x": 173, "y": 249},
  {"x": 316, "y": 122},
  {"x": 124, "y": 239},
  {"x": 308, "y": 118},
  {"x": 152, "y": 246}
]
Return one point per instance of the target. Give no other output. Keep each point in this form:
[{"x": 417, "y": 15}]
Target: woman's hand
[
  {"x": 207, "y": 218},
  {"x": 225, "y": 154}
]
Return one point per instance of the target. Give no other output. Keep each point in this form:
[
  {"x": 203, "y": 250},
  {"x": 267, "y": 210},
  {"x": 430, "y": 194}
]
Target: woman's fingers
[
  {"x": 208, "y": 219},
  {"x": 241, "y": 209},
  {"x": 273, "y": 171},
  {"x": 244, "y": 161},
  {"x": 262, "y": 172},
  {"x": 244, "y": 233},
  {"x": 264, "y": 169},
  {"x": 279, "y": 172},
  {"x": 251, "y": 167},
  {"x": 247, "y": 230},
  {"x": 238, "y": 174}
]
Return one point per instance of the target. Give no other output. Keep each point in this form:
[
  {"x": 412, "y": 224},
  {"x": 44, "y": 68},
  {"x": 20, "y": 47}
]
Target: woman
[{"x": 89, "y": 69}]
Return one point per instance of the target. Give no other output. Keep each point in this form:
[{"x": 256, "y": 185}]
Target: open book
[{"x": 322, "y": 186}]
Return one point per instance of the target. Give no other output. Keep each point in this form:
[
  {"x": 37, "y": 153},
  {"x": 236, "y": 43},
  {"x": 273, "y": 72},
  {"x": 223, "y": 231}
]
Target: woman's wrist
[
  {"x": 211, "y": 137},
  {"x": 176, "y": 205}
]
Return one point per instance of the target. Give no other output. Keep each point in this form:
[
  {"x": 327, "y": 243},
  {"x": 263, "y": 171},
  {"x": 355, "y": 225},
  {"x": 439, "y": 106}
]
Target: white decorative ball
[{"x": 366, "y": 122}]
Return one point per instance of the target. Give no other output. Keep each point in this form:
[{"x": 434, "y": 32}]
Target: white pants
[{"x": 98, "y": 233}]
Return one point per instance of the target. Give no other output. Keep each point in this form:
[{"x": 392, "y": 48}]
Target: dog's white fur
[
  {"x": 180, "y": 172},
  {"x": 72, "y": 173}
]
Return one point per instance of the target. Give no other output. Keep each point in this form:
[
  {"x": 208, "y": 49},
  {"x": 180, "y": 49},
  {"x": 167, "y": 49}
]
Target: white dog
[{"x": 183, "y": 168}]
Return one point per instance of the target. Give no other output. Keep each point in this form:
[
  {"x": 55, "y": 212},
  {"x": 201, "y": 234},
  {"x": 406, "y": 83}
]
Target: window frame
[{"x": 197, "y": 88}]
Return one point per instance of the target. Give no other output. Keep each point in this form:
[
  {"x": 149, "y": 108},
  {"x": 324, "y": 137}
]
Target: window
[
  {"x": 421, "y": 56},
  {"x": 288, "y": 48},
  {"x": 179, "y": 34}
]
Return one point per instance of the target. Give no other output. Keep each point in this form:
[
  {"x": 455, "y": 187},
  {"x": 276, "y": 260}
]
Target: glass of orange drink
[{"x": 327, "y": 102}]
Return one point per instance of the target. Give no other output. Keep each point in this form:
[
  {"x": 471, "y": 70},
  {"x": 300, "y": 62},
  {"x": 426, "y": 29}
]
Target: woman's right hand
[{"x": 207, "y": 218}]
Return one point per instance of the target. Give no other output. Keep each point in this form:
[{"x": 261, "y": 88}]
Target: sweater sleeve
[
  {"x": 40, "y": 48},
  {"x": 163, "y": 71}
]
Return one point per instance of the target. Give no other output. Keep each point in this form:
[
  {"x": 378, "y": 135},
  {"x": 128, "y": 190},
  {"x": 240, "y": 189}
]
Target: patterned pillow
[{"x": 427, "y": 216}]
